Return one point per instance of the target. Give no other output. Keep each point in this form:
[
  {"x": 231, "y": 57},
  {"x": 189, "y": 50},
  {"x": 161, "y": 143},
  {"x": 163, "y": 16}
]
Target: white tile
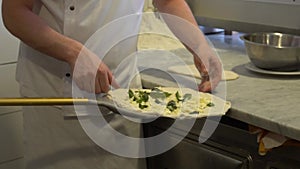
[
  {"x": 11, "y": 134},
  {"x": 8, "y": 84},
  {"x": 9, "y": 44}
]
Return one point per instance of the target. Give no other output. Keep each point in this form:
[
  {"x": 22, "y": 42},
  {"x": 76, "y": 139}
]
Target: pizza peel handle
[
  {"x": 40, "y": 101},
  {"x": 100, "y": 101}
]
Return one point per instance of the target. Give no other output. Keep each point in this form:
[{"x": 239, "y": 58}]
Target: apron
[{"x": 51, "y": 141}]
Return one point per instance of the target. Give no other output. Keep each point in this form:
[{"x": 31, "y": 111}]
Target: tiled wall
[
  {"x": 11, "y": 118},
  {"x": 8, "y": 57},
  {"x": 8, "y": 44}
]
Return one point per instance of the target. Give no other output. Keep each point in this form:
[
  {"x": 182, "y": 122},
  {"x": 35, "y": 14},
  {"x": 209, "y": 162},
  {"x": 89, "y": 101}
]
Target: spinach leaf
[
  {"x": 144, "y": 96},
  {"x": 130, "y": 93},
  {"x": 171, "y": 105},
  {"x": 185, "y": 97},
  {"x": 211, "y": 104},
  {"x": 159, "y": 94},
  {"x": 167, "y": 94},
  {"x": 140, "y": 97},
  {"x": 141, "y": 106},
  {"x": 178, "y": 97}
]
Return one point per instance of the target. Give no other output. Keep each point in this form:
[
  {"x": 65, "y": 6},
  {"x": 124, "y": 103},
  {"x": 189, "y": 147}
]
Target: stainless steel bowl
[{"x": 273, "y": 51}]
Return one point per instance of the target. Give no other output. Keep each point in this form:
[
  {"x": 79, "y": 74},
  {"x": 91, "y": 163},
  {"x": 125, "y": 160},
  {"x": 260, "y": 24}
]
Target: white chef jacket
[{"x": 40, "y": 75}]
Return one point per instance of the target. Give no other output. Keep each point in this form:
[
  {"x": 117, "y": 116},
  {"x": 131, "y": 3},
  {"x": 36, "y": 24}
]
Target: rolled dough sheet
[{"x": 191, "y": 70}]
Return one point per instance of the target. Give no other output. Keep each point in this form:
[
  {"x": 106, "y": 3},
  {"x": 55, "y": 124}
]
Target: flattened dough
[
  {"x": 185, "y": 110},
  {"x": 191, "y": 70}
]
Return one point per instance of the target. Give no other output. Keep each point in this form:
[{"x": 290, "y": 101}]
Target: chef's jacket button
[
  {"x": 72, "y": 8},
  {"x": 68, "y": 74}
]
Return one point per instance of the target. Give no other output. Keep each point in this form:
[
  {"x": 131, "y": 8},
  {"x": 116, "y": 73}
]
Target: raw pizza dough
[
  {"x": 195, "y": 105},
  {"x": 191, "y": 70}
]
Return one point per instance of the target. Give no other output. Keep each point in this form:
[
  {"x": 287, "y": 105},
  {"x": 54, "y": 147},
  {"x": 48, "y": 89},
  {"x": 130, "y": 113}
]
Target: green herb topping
[
  {"x": 171, "y": 105},
  {"x": 211, "y": 104},
  {"x": 140, "y": 97},
  {"x": 184, "y": 98},
  {"x": 141, "y": 106},
  {"x": 130, "y": 93}
]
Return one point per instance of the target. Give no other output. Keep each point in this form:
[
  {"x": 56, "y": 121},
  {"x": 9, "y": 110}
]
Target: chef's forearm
[
  {"x": 175, "y": 7},
  {"x": 29, "y": 28},
  {"x": 189, "y": 34}
]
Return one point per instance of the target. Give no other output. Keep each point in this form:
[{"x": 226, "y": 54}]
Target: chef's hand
[
  {"x": 209, "y": 66},
  {"x": 91, "y": 74}
]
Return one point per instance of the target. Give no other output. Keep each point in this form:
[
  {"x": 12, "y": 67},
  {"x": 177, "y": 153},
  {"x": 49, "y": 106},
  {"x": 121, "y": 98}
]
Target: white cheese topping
[{"x": 165, "y": 101}]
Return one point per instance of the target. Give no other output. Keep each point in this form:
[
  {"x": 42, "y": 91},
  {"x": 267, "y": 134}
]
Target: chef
[{"x": 52, "y": 34}]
